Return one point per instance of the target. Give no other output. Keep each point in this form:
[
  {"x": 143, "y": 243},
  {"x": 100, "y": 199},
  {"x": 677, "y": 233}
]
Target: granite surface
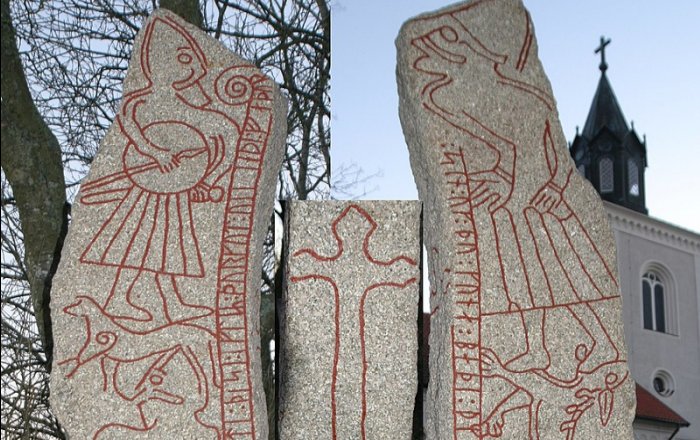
[
  {"x": 349, "y": 320},
  {"x": 156, "y": 300},
  {"x": 526, "y": 331}
]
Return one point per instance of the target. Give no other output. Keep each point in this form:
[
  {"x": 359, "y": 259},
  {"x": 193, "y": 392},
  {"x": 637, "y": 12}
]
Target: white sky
[{"x": 654, "y": 61}]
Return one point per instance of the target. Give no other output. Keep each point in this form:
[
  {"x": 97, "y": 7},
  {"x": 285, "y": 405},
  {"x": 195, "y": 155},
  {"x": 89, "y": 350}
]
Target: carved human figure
[
  {"x": 512, "y": 253},
  {"x": 540, "y": 221},
  {"x": 172, "y": 214},
  {"x": 168, "y": 164}
]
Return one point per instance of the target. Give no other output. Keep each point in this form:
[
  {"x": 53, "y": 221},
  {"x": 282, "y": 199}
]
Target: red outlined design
[
  {"x": 549, "y": 273},
  {"x": 350, "y": 298},
  {"x": 192, "y": 137},
  {"x": 233, "y": 268}
]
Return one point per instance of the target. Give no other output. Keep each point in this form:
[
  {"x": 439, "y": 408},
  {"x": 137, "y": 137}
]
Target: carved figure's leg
[
  {"x": 602, "y": 345},
  {"x": 535, "y": 357},
  {"x": 175, "y": 307},
  {"x": 124, "y": 297}
]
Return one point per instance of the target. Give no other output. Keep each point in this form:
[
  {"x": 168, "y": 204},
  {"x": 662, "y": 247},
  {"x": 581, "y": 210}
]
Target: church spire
[
  {"x": 605, "y": 112},
  {"x": 607, "y": 152}
]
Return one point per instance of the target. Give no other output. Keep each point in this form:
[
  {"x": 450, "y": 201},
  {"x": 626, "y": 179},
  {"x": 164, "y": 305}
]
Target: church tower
[{"x": 607, "y": 152}]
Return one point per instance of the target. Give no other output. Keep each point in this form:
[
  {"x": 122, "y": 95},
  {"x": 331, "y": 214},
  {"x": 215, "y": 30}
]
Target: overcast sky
[{"x": 654, "y": 70}]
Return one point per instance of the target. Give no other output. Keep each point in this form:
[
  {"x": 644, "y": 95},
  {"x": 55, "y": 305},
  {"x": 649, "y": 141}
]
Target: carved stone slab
[
  {"x": 156, "y": 301},
  {"x": 349, "y": 320},
  {"x": 526, "y": 331}
]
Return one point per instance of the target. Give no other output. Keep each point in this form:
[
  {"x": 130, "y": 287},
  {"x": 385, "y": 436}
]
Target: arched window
[
  {"x": 658, "y": 305},
  {"x": 605, "y": 173},
  {"x": 632, "y": 177},
  {"x": 653, "y": 302}
]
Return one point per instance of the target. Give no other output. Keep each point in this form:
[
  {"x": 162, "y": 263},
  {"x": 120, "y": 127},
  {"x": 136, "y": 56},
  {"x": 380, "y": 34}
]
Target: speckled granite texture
[
  {"x": 156, "y": 300},
  {"x": 526, "y": 331},
  {"x": 349, "y": 320}
]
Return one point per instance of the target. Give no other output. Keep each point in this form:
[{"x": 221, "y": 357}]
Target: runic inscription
[
  {"x": 526, "y": 334},
  {"x": 349, "y": 336},
  {"x": 156, "y": 300}
]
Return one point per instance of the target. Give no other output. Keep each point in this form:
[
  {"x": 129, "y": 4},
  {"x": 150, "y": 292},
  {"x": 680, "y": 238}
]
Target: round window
[{"x": 663, "y": 383}]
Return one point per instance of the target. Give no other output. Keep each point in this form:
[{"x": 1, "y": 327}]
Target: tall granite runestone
[
  {"x": 349, "y": 320},
  {"x": 156, "y": 301},
  {"x": 526, "y": 334}
]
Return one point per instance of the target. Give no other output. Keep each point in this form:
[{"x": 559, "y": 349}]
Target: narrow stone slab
[
  {"x": 349, "y": 320},
  {"x": 526, "y": 333},
  {"x": 156, "y": 301}
]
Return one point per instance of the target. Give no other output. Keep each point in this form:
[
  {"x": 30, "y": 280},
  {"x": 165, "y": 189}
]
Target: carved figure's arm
[
  {"x": 549, "y": 197},
  {"x": 454, "y": 45},
  {"x": 128, "y": 123},
  {"x": 210, "y": 189}
]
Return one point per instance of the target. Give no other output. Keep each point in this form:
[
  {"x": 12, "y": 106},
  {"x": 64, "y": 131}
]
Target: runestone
[
  {"x": 349, "y": 317},
  {"x": 526, "y": 331},
  {"x": 156, "y": 301}
]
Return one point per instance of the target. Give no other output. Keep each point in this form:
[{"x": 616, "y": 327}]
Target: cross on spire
[{"x": 603, "y": 42}]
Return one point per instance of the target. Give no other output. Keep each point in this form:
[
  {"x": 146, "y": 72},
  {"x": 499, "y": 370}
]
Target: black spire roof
[
  {"x": 607, "y": 152},
  {"x": 605, "y": 112}
]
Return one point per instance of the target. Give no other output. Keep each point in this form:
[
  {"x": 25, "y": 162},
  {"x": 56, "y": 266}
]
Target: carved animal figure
[{"x": 110, "y": 342}]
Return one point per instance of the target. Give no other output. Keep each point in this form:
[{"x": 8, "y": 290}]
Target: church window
[
  {"x": 663, "y": 383},
  {"x": 653, "y": 302},
  {"x": 632, "y": 177},
  {"x": 605, "y": 171},
  {"x": 582, "y": 170},
  {"x": 658, "y": 307}
]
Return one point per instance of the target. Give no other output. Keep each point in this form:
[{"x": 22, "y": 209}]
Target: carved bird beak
[{"x": 167, "y": 397}]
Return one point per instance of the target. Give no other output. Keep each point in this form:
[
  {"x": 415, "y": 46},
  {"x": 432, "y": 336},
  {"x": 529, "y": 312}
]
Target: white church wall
[{"x": 672, "y": 357}]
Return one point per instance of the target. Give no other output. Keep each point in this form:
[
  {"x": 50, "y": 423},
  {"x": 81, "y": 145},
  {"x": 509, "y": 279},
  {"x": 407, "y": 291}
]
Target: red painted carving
[
  {"x": 555, "y": 271},
  {"x": 346, "y": 305},
  {"x": 208, "y": 149}
]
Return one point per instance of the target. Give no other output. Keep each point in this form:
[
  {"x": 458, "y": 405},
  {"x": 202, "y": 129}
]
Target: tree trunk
[
  {"x": 187, "y": 9},
  {"x": 31, "y": 160}
]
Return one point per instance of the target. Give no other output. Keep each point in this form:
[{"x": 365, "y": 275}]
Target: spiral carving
[
  {"x": 105, "y": 338},
  {"x": 232, "y": 88}
]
